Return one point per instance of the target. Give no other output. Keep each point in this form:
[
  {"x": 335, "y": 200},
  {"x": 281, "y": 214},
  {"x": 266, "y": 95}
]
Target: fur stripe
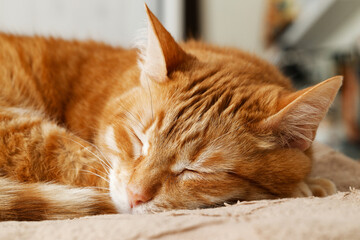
[{"x": 43, "y": 201}]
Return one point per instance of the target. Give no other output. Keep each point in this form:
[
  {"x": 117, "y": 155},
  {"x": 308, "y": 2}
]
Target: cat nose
[{"x": 137, "y": 196}]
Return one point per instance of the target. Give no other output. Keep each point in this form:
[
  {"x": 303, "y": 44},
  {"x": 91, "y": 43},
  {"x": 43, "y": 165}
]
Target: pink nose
[{"x": 137, "y": 196}]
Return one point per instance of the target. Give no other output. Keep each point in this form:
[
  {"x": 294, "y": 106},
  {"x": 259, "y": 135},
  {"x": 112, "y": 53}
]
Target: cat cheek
[{"x": 118, "y": 193}]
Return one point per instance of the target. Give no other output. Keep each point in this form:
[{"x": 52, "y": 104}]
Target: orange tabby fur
[{"x": 190, "y": 125}]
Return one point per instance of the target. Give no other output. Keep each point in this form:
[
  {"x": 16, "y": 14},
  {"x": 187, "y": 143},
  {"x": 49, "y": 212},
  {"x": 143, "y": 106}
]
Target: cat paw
[
  {"x": 318, "y": 187},
  {"x": 321, "y": 187},
  {"x": 302, "y": 190}
]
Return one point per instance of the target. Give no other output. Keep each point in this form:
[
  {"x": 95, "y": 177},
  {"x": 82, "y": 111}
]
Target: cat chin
[
  {"x": 146, "y": 208},
  {"x": 118, "y": 194}
]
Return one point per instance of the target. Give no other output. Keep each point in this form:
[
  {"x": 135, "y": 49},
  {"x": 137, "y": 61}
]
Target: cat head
[{"x": 209, "y": 125}]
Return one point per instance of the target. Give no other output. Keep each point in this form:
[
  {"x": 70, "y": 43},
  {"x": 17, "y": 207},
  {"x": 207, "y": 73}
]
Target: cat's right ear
[
  {"x": 299, "y": 114},
  {"x": 162, "y": 54}
]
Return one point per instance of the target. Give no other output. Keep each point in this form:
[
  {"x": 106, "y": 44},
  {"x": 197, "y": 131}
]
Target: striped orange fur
[{"x": 86, "y": 128}]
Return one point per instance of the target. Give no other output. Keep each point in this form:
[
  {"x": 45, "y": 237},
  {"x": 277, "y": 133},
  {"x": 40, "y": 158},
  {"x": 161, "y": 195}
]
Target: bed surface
[{"x": 333, "y": 217}]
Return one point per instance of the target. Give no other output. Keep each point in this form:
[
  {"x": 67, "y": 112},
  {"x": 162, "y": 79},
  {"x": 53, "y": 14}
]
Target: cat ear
[
  {"x": 162, "y": 54},
  {"x": 299, "y": 114}
]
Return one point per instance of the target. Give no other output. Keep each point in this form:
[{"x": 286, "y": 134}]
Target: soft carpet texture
[{"x": 333, "y": 217}]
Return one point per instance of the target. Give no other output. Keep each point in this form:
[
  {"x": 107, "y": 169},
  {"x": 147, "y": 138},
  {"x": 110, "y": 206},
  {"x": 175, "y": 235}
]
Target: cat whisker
[
  {"x": 88, "y": 171},
  {"x": 95, "y": 174},
  {"x": 107, "y": 163},
  {"x": 102, "y": 162},
  {"x": 97, "y": 170},
  {"x": 116, "y": 151},
  {"x": 106, "y": 166},
  {"x": 101, "y": 188}
]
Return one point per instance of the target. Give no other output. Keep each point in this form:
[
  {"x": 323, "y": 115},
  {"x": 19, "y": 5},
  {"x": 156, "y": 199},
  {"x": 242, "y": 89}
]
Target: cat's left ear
[
  {"x": 162, "y": 53},
  {"x": 300, "y": 113}
]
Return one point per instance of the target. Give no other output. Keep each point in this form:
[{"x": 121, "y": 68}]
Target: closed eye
[
  {"x": 138, "y": 139},
  {"x": 140, "y": 143},
  {"x": 187, "y": 170},
  {"x": 186, "y": 174}
]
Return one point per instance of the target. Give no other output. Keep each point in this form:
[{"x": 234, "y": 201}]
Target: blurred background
[{"x": 309, "y": 40}]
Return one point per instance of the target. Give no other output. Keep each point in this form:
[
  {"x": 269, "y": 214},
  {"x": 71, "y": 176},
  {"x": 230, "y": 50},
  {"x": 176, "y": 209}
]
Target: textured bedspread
[{"x": 334, "y": 217}]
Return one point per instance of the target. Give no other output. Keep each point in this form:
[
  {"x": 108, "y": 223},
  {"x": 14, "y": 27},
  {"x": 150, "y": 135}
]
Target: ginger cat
[{"x": 87, "y": 129}]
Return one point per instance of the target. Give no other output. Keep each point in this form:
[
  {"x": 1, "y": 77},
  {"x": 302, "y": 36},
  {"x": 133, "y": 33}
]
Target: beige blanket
[{"x": 334, "y": 217}]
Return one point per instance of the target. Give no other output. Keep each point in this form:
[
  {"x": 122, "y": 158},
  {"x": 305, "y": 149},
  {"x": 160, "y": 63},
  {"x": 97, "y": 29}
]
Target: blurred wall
[
  {"x": 237, "y": 23},
  {"x": 114, "y": 21},
  {"x": 338, "y": 28}
]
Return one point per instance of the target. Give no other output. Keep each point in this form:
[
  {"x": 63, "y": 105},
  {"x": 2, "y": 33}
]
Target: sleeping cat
[{"x": 87, "y": 128}]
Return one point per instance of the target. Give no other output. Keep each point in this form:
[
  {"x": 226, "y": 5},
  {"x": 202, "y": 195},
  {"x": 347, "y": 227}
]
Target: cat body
[{"x": 87, "y": 128}]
